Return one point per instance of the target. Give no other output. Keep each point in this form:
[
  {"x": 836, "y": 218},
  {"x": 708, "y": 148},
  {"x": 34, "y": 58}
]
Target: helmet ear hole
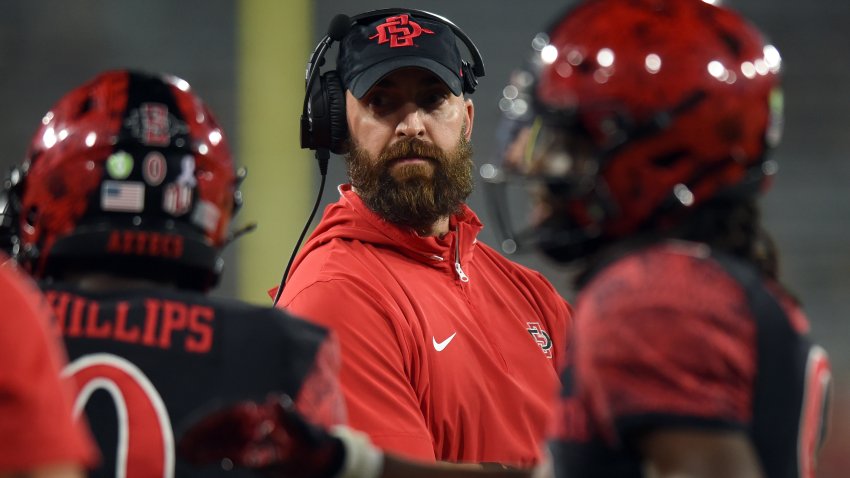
[
  {"x": 31, "y": 216},
  {"x": 86, "y": 106}
]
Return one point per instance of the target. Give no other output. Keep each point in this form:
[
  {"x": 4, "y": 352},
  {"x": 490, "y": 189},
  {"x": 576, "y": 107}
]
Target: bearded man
[{"x": 449, "y": 350}]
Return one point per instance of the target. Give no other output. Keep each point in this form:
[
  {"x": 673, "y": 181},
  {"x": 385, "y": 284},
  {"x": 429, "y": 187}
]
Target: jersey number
[
  {"x": 145, "y": 439},
  {"x": 814, "y": 410}
]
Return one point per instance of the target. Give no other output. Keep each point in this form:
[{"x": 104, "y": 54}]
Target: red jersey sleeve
[
  {"x": 378, "y": 364},
  {"x": 36, "y": 424},
  {"x": 320, "y": 398},
  {"x": 665, "y": 339}
]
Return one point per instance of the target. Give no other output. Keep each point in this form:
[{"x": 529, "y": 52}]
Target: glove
[{"x": 271, "y": 437}]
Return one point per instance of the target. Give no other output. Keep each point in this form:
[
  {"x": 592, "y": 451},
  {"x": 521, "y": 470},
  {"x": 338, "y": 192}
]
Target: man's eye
[
  {"x": 377, "y": 100},
  {"x": 433, "y": 99},
  {"x": 380, "y": 100}
]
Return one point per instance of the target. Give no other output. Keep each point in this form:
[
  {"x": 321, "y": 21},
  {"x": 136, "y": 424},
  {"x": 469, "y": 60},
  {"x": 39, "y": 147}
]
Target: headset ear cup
[
  {"x": 338, "y": 122},
  {"x": 314, "y": 121},
  {"x": 470, "y": 82},
  {"x": 324, "y": 124}
]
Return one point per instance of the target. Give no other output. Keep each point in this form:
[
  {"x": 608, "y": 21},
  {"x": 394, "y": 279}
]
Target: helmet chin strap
[{"x": 236, "y": 234}]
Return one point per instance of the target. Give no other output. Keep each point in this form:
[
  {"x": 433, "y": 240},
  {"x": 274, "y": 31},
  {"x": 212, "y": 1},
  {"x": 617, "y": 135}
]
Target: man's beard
[{"x": 414, "y": 195}]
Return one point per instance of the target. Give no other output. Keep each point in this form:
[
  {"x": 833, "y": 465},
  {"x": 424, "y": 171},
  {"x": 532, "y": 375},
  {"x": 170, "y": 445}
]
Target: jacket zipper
[{"x": 460, "y": 274}]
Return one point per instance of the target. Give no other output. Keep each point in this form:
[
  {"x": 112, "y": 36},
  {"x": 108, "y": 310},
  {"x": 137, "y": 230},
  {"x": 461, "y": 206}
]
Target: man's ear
[{"x": 470, "y": 117}]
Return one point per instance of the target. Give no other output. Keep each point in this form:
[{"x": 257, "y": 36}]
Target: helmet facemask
[{"x": 647, "y": 110}]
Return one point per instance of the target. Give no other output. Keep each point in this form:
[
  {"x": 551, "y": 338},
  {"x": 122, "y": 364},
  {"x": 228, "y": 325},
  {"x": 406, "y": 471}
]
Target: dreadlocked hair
[{"x": 732, "y": 226}]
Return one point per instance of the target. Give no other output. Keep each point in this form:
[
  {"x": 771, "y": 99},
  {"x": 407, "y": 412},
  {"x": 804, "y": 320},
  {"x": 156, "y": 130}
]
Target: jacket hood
[{"x": 350, "y": 219}]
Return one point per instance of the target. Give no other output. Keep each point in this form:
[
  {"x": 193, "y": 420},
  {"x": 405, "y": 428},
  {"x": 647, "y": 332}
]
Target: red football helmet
[
  {"x": 130, "y": 173},
  {"x": 646, "y": 109}
]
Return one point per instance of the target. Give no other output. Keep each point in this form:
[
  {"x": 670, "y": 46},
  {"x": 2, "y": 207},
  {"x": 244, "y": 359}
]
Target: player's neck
[{"x": 103, "y": 282}]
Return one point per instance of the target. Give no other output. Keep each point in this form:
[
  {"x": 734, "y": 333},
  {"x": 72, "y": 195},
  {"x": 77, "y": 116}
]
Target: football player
[
  {"x": 121, "y": 209},
  {"x": 653, "y": 120}
]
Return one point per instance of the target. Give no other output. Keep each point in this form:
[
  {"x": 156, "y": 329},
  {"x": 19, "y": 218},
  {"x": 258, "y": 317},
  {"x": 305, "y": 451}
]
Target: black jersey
[
  {"x": 678, "y": 336},
  {"x": 146, "y": 361}
]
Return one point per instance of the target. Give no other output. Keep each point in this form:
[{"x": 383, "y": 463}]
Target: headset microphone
[{"x": 339, "y": 27}]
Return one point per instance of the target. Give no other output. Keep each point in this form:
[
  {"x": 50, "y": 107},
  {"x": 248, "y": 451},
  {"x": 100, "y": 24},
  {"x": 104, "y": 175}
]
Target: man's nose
[{"x": 411, "y": 123}]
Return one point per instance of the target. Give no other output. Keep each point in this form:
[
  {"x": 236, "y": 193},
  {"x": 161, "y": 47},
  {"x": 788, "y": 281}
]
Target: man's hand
[{"x": 269, "y": 436}]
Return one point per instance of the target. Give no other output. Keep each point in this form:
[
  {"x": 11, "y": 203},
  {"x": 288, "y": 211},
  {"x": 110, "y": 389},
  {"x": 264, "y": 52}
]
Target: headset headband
[{"x": 339, "y": 27}]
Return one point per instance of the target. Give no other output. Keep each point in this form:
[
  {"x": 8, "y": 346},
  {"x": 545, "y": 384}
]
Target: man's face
[{"x": 410, "y": 158}]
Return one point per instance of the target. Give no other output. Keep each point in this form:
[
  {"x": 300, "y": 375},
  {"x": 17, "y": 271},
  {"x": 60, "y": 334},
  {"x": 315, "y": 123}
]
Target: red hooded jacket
[{"x": 449, "y": 350}]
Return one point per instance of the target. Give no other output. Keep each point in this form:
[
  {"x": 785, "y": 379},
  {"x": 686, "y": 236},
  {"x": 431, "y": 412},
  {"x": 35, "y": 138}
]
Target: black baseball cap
[{"x": 371, "y": 51}]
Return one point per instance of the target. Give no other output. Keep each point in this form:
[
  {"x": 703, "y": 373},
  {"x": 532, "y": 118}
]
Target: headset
[
  {"x": 323, "y": 120},
  {"x": 324, "y": 126}
]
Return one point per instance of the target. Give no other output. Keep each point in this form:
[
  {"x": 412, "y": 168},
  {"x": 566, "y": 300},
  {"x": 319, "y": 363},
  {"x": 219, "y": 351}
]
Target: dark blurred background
[{"x": 246, "y": 59}]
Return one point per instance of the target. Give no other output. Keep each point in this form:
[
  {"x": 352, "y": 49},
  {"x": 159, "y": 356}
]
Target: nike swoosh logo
[{"x": 439, "y": 346}]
